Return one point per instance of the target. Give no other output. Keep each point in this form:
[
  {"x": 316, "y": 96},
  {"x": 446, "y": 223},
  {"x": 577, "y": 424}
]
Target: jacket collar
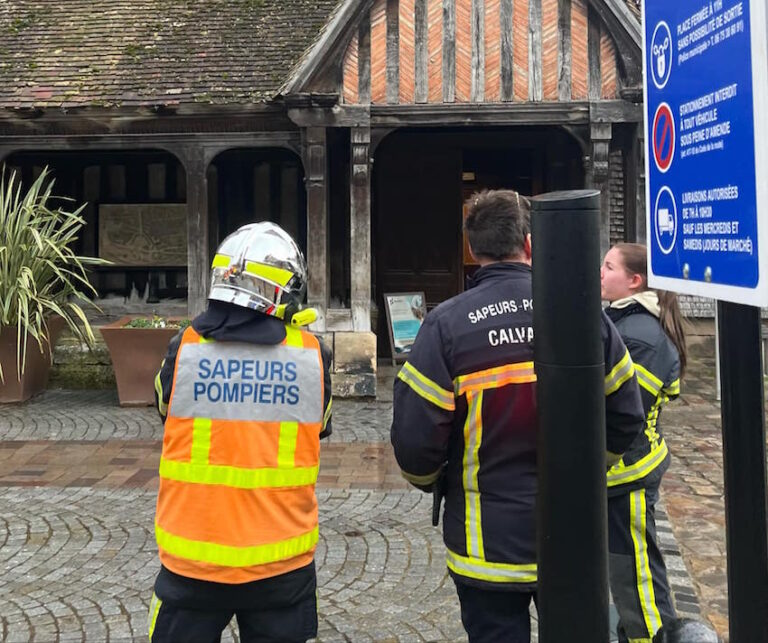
[
  {"x": 648, "y": 299},
  {"x": 496, "y": 270}
]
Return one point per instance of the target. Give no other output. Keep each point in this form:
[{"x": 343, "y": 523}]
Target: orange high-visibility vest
[{"x": 240, "y": 459}]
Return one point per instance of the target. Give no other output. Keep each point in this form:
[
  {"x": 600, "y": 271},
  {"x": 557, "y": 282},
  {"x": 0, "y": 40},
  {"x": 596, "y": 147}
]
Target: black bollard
[
  {"x": 685, "y": 630},
  {"x": 568, "y": 351}
]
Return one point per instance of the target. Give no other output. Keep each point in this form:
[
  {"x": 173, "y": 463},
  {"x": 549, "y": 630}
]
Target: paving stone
[{"x": 78, "y": 558}]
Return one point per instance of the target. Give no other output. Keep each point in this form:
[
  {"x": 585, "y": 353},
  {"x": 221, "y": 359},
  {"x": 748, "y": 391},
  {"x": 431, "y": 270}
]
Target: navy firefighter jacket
[{"x": 466, "y": 398}]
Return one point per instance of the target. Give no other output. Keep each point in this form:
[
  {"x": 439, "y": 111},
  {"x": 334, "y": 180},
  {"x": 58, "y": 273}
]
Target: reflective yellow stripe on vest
[
  {"x": 426, "y": 388},
  {"x": 521, "y": 373},
  {"x": 473, "y": 435},
  {"x": 493, "y": 572},
  {"x": 236, "y": 476},
  {"x": 619, "y": 374},
  {"x": 621, "y": 474},
  {"x": 228, "y": 556}
]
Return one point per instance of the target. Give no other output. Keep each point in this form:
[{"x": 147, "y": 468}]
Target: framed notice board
[{"x": 405, "y": 313}]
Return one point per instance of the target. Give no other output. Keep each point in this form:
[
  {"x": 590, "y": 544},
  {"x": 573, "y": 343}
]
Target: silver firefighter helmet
[{"x": 259, "y": 266}]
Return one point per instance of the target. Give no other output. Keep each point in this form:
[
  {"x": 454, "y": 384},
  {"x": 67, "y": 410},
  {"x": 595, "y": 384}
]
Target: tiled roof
[{"x": 148, "y": 52}]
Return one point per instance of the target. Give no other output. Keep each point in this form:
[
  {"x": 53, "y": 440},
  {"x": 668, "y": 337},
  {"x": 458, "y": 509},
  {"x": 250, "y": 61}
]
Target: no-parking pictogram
[{"x": 663, "y": 137}]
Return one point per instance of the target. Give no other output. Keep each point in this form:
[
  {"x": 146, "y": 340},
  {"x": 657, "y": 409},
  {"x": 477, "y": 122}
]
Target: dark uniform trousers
[
  {"x": 638, "y": 574},
  {"x": 291, "y": 624},
  {"x": 491, "y": 616}
]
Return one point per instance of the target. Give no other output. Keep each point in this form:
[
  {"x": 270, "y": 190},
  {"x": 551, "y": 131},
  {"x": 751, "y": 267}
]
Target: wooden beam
[
  {"x": 477, "y": 91},
  {"x": 601, "y": 135},
  {"x": 594, "y": 73},
  {"x": 360, "y": 229},
  {"x": 449, "y": 51},
  {"x": 445, "y": 115},
  {"x": 198, "y": 261},
  {"x": 364, "y": 60},
  {"x": 535, "y": 78},
  {"x": 393, "y": 52},
  {"x": 615, "y": 111},
  {"x": 507, "y": 50},
  {"x": 315, "y": 156},
  {"x": 421, "y": 43},
  {"x": 564, "y": 50},
  {"x": 340, "y": 116}
]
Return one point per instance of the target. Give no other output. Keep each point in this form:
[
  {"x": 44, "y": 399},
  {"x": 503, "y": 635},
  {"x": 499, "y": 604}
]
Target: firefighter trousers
[
  {"x": 491, "y": 616},
  {"x": 638, "y": 576},
  {"x": 174, "y": 624}
]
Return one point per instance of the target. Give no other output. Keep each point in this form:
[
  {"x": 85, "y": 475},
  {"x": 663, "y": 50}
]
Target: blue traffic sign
[{"x": 706, "y": 102}]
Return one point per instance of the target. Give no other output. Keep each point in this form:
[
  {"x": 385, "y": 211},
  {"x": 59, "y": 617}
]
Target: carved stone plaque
[{"x": 137, "y": 234}]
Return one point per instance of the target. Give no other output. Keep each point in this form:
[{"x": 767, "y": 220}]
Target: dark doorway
[
  {"x": 249, "y": 185},
  {"x": 103, "y": 179},
  {"x": 421, "y": 181}
]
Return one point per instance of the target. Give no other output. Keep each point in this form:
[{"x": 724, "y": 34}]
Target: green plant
[
  {"x": 157, "y": 322},
  {"x": 40, "y": 274}
]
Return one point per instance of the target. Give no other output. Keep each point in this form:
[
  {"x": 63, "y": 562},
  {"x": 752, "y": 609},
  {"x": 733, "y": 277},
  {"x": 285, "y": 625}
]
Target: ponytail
[{"x": 672, "y": 322}]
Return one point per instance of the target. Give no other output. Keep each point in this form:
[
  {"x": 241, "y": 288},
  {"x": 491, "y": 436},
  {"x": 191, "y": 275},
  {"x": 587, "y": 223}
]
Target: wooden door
[{"x": 417, "y": 205}]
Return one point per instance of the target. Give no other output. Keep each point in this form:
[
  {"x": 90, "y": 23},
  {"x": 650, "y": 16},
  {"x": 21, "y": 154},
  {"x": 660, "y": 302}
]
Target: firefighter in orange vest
[{"x": 245, "y": 395}]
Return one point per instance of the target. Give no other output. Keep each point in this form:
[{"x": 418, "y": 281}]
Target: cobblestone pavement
[
  {"x": 693, "y": 489},
  {"x": 78, "y": 476}
]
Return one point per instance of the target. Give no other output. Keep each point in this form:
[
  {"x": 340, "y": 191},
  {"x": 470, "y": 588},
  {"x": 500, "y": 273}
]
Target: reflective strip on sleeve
[
  {"x": 327, "y": 415},
  {"x": 520, "y": 373},
  {"x": 648, "y": 380},
  {"x": 154, "y": 610},
  {"x": 161, "y": 406},
  {"x": 494, "y": 572},
  {"x": 422, "y": 481},
  {"x": 622, "y": 474},
  {"x": 237, "y": 476},
  {"x": 426, "y": 388},
  {"x": 473, "y": 435},
  {"x": 228, "y": 556},
  {"x": 645, "y": 590},
  {"x": 286, "y": 446},
  {"x": 673, "y": 389},
  {"x": 619, "y": 374}
]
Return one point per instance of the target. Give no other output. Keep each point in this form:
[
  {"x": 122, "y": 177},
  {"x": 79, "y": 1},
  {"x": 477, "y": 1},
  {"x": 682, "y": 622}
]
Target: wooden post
[
  {"x": 599, "y": 175},
  {"x": 198, "y": 260},
  {"x": 315, "y": 156},
  {"x": 360, "y": 228},
  {"x": 640, "y": 221}
]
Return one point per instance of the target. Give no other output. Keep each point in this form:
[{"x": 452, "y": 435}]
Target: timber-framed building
[{"x": 361, "y": 126}]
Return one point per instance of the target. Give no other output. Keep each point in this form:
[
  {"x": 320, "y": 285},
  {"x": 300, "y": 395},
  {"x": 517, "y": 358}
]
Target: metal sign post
[{"x": 706, "y": 101}]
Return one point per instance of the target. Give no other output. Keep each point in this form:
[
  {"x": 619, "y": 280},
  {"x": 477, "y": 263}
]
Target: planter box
[
  {"x": 34, "y": 379},
  {"x": 136, "y": 357}
]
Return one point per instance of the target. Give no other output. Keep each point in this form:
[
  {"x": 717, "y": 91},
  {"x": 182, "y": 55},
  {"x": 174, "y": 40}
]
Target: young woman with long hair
[{"x": 651, "y": 325}]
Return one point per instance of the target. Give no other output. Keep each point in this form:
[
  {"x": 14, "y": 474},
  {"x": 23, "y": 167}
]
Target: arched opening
[
  {"x": 257, "y": 184},
  {"x": 135, "y": 213}
]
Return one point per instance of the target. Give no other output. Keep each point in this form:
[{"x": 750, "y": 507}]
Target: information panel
[{"x": 706, "y": 99}]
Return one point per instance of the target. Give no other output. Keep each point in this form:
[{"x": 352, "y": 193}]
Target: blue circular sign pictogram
[
  {"x": 660, "y": 52},
  {"x": 663, "y": 137},
  {"x": 665, "y": 220}
]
